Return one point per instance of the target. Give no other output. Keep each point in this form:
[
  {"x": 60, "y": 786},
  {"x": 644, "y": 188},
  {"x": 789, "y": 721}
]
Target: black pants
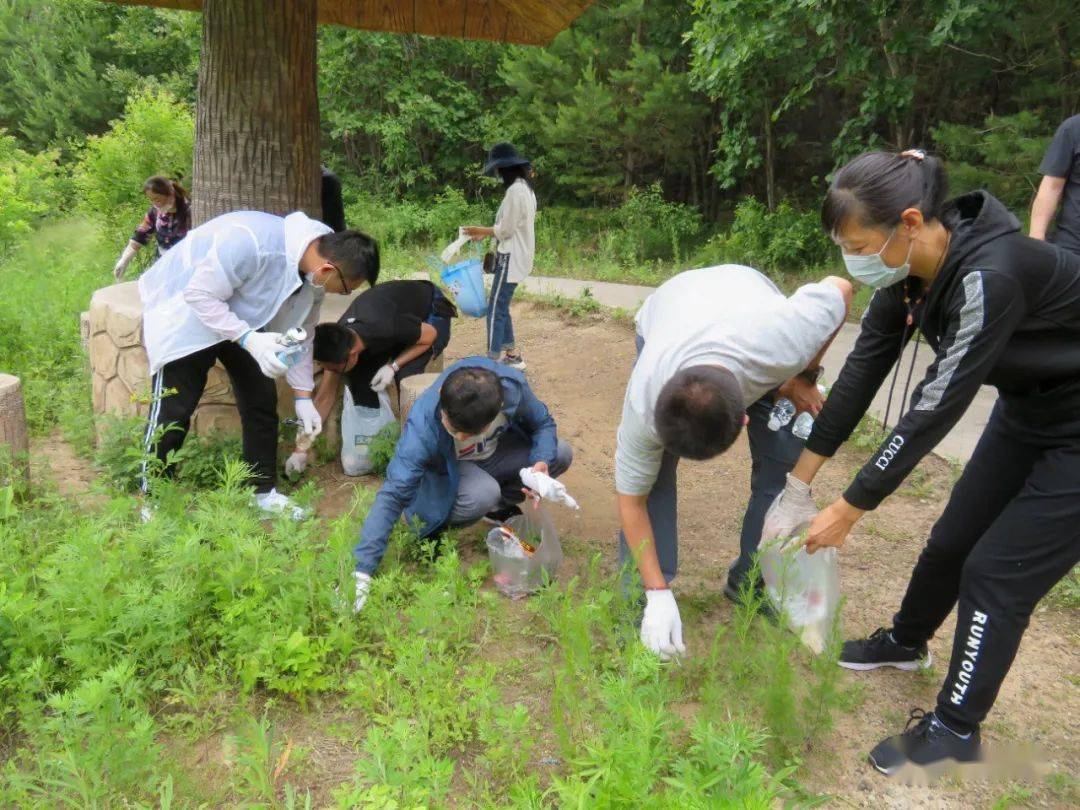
[
  {"x": 1010, "y": 531},
  {"x": 256, "y": 399}
]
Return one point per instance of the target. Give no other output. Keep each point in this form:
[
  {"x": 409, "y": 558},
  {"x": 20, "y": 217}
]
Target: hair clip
[{"x": 918, "y": 154}]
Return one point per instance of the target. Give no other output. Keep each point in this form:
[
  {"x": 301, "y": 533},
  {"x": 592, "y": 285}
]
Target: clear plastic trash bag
[
  {"x": 524, "y": 553},
  {"x": 359, "y": 425},
  {"x": 804, "y": 588}
]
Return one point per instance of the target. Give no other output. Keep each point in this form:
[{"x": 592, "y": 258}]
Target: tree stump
[
  {"x": 14, "y": 439},
  {"x": 411, "y": 389}
]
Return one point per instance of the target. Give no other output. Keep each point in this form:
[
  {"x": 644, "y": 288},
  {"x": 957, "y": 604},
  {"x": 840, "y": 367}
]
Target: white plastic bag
[
  {"x": 523, "y": 552},
  {"x": 359, "y": 425},
  {"x": 804, "y": 588}
]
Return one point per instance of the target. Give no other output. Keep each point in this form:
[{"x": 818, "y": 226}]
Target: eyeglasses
[{"x": 341, "y": 278}]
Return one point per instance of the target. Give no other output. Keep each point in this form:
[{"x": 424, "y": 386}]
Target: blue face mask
[{"x": 872, "y": 270}]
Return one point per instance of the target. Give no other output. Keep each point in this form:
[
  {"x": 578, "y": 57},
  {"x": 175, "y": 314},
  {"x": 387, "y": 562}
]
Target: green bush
[
  {"x": 155, "y": 135},
  {"x": 29, "y": 188},
  {"x": 786, "y": 241},
  {"x": 431, "y": 223},
  {"x": 44, "y": 284},
  {"x": 650, "y": 227},
  {"x": 382, "y": 447}
]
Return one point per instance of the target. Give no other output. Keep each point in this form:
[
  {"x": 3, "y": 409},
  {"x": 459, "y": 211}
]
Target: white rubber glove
[
  {"x": 661, "y": 627},
  {"x": 383, "y": 377},
  {"x": 296, "y": 463},
  {"x": 363, "y": 586},
  {"x": 546, "y": 487},
  {"x": 792, "y": 508},
  {"x": 309, "y": 416},
  {"x": 124, "y": 261},
  {"x": 264, "y": 346}
]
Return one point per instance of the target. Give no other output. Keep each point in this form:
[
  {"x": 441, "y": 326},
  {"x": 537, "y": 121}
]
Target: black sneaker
[
  {"x": 880, "y": 650},
  {"x": 927, "y": 744},
  {"x": 501, "y": 515}
]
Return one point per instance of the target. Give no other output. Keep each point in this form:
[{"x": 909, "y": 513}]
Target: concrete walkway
[{"x": 957, "y": 445}]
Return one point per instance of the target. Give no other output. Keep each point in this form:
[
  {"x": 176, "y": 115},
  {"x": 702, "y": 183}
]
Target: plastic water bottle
[
  {"x": 293, "y": 343},
  {"x": 804, "y": 423},
  {"x": 782, "y": 412}
]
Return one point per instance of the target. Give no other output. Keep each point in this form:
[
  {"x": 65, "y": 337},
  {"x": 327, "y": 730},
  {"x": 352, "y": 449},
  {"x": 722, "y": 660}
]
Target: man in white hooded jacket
[{"x": 229, "y": 292}]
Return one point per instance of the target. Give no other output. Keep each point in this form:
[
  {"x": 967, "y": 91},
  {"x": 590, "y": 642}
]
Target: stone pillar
[
  {"x": 121, "y": 374},
  {"x": 13, "y": 434}
]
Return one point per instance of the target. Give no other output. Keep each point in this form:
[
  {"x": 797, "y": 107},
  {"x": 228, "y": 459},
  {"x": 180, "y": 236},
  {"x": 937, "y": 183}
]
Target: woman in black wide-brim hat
[{"x": 514, "y": 247}]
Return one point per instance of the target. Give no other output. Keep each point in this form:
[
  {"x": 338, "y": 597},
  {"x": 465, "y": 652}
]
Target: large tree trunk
[
  {"x": 257, "y": 122},
  {"x": 13, "y": 433},
  {"x": 770, "y": 158}
]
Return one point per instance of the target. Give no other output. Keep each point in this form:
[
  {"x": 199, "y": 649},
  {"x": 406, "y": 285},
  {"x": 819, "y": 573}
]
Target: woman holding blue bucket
[{"x": 514, "y": 248}]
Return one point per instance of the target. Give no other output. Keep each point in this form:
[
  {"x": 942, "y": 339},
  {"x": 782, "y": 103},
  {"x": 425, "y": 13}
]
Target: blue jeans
[
  {"x": 772, "y": 454},
  {"x": 500, "y": 328}
]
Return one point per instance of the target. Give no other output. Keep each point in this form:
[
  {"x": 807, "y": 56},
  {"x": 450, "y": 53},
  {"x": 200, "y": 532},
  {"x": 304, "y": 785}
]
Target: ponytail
[
  {"x": 159, "y": 184},
  {"x": 877, "y": 187}
]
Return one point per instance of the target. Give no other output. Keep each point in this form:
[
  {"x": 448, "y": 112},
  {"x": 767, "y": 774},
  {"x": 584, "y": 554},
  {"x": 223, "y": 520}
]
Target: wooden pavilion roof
[{"x": 525, "y": 22}]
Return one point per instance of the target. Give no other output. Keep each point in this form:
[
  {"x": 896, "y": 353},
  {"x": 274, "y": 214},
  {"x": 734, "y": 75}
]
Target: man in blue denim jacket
[{"x": 459, "y": 458}]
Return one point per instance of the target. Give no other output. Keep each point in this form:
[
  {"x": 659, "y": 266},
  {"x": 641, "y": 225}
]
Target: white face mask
[{"x": 872, "y": 270}]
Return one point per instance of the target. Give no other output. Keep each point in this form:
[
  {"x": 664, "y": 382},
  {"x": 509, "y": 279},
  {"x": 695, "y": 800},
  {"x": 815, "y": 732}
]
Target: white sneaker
[
  {"x": 274, "y": 503},
  {"x": 146, "y": 513}
]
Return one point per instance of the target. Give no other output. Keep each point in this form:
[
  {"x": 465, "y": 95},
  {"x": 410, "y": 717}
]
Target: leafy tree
[{"x": 68, "y": 65}]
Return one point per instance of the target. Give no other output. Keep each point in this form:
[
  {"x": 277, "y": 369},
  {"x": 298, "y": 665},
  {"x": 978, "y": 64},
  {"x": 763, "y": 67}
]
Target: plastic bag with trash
[
  {"x": 524, "y": 553},
  {"x": 359, "y": 425},
  {"x": 804, "y": 588}
]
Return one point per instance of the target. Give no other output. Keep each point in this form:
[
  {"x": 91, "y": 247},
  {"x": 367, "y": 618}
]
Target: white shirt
[
  {"x": 514, "y": 230},
  {"x": 237, "y": 272},
  {"x": 731, "y": 316}
]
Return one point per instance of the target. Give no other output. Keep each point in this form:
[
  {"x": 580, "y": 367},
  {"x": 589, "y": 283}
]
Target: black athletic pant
[
  {"x": 256, "y": 399},
  {"x": 1010, "y": 531}
]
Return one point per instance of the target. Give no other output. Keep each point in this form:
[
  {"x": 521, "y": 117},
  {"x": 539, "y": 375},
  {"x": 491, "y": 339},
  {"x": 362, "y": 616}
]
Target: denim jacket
[{"x": 422, "y": 479}]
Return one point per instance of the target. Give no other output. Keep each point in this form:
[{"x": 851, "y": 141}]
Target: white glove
[
  {"x": 264, "y": 346},
  {"x": 661, "y": 627},
  {"x": 792, "y": 508},
  {"x": 546, "y": 487},
  {"x": 296, "y": 463},
  {"x": 124, "y": 261},
  {"x": 383, "y": 377},
  {"x": 363, "y": 585},
  {"x": 309, "y": 416}
]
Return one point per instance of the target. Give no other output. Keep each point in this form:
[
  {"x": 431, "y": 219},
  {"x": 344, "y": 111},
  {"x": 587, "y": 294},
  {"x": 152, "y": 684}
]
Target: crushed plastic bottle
[
  {"x": 782, "y": 412},
  {"x": 293, "y": 341}
]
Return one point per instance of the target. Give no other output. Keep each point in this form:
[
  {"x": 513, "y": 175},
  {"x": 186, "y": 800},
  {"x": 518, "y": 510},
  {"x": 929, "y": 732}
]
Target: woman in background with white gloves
[
  {"x": 229, "y": 292},
  {"x": 168, "y": 220}
]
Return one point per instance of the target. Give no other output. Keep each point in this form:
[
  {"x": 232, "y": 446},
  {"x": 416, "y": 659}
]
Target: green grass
[
  {"x": 122, "y": 639},
  {"x": 44, "y": 285}
]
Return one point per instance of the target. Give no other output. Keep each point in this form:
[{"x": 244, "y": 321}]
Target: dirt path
[{"x": 580, "y": 369}]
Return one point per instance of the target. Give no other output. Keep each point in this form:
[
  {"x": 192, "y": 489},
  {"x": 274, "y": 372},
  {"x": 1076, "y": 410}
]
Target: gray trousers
[
  {"x": 772, "y": 454},
  {"x": 487, "y": 485}
]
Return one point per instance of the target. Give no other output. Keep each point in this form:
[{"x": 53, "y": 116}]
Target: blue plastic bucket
[{"x": 465, "y": 281}]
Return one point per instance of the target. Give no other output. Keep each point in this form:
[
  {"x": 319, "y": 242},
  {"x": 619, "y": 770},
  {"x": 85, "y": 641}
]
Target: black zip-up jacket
[{"x": 1004, "y": 311}]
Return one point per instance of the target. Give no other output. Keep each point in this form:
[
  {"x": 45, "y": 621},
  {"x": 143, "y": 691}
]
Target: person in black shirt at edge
[
  {"x": 390, "y": 332},
  {"x": 996, "y": 307},
  {"x": 1060, "y": 184},
  {"x": 333, "y": 206}
]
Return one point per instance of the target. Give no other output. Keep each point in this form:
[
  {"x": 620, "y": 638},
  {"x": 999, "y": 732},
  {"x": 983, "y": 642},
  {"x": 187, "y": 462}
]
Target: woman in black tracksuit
[{"x": 997, "y": 308}]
